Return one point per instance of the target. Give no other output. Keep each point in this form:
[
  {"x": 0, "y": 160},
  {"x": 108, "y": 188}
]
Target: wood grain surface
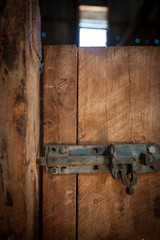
[
  {"x": 107, "y": 212},
  {"x": 119, "y": 94},
  {"x": 118, "y": 101},
  {"x": 20, "y": 55},
  {"x": 60, "y": 111},
  {"x": 60, "y": 94}
]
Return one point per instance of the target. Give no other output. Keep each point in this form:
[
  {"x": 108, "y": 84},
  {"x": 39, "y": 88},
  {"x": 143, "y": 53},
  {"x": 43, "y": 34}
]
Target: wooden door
[{"x": 118, "y": 101}]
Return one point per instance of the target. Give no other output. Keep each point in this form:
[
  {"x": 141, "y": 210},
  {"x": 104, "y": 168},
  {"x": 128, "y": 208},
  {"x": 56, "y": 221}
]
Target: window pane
[{"x": 93, "y": 37}]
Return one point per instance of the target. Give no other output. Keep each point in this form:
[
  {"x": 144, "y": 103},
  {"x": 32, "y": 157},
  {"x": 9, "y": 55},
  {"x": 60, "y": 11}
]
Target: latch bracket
[{"x": 126, "y": 159}]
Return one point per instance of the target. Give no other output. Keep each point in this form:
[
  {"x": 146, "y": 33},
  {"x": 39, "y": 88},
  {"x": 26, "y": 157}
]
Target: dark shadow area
[
  {"x": 41, "y": 154},
  {"x": 129, "y": 23}
]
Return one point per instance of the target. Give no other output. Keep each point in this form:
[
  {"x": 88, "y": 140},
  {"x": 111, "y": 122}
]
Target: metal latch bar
[{"x": 126, "y": 159}]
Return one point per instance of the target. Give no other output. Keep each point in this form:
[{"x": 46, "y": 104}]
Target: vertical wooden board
[
  {"x": 107, "y": 212},
  {"x": 60, "y": 111},
  {"x": 119, "y": 101},
  {"x": 60, "y": 93},
  {"x": 119, "y": 95},
  {"x": 59, "y": 206},
  {"x": 20, "y": 54}
]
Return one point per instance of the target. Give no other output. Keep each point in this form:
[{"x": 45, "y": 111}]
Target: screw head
[
  {"x": 151, "y": 149},
  {"x": 63, "y": 150},
  {"x": 54, "y": 170}
]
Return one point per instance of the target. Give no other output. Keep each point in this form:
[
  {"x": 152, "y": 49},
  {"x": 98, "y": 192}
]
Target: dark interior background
[{"x": 128, "y": 20}]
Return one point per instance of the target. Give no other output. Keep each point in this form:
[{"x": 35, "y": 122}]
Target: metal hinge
[{"x": 126, "y": 159}]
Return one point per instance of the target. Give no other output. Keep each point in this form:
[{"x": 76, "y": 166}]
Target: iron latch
[{"x": 126, "y": 159}]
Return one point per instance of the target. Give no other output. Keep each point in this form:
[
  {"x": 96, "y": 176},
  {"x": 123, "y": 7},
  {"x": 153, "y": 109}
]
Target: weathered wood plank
[
  {"x": 107, "y": 212},
  {"x": 60, "y": 84},
  {"x": 20, "y": 53},
  {"x": 59, "y": 206},
  {"x": 119, "y": 101},
  {"x": 60, "y": 109},
  {"x": 119, "y": 95}
]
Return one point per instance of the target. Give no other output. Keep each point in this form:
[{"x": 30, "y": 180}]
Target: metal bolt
[
  {"x": 151, "y": 149},
  {"x": 130, "y": 190},
  {"x": 54, "y": 170}
]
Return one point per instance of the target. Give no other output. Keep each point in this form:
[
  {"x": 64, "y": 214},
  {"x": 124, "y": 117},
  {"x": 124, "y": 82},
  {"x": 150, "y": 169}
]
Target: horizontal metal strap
[
  {"x": 66, "y": 159},
  {"x": 126, "y": 159}
]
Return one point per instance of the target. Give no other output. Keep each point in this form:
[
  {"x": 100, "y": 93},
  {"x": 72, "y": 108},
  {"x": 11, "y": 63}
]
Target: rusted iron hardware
[{"x": 126, "y": 159}]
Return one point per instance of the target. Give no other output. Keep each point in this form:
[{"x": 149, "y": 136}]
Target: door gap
[{"x": 77, "y": 144}]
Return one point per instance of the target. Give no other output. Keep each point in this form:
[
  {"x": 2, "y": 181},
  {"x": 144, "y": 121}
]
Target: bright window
[
  {"x": 93, "y": 26},
  {"x": 92, "y": 37}
]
